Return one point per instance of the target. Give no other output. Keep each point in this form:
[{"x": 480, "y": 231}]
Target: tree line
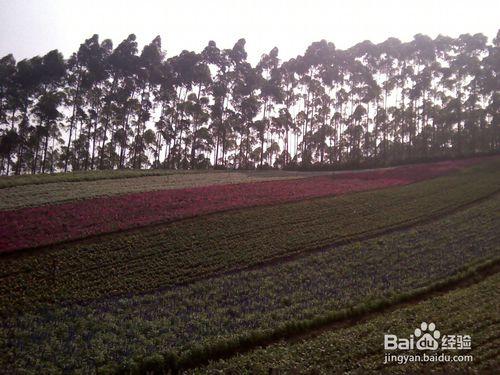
[{"x": 372, "y": 104}]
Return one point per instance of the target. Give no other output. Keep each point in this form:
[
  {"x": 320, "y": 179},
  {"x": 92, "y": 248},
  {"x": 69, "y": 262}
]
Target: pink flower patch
[{"x": 46, "y": 225}]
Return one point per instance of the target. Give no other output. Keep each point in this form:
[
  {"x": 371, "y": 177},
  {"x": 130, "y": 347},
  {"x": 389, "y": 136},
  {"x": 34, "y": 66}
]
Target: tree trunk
[
  {"x": 106, "y": 122},
  {"x": 72, "y": 121},
  {"x": 45, "y": 152}
]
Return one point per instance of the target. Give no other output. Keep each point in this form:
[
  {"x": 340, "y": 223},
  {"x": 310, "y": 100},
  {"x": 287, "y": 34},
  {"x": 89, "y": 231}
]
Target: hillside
[{"x": 246, "y": 272}]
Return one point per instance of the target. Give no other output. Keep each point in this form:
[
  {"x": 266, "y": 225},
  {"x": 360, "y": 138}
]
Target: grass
[
  {"x": 222, "y": 315},
  {"x": 39, "y": 179},
  {"x": 359, "y": 349},
  {"x": 185, "y": 251}
]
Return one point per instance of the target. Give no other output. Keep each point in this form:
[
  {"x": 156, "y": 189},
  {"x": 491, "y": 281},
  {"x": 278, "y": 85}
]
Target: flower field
[
  {"x": 46, "y": 225},
  {"x": 206, "y": 312},
  {"x": 169, "y": 254},
  {"x": 279, "y": 274},
  {"x": 57, "y": 192}
]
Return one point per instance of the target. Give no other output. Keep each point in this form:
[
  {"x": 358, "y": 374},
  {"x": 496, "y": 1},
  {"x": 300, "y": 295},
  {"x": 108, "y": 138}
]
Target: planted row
[
  {"x": 49, "y": 178},
  {"x": 251, "y": 304},
  {"x": 197, "y": 248},
  {"x": 359, "y": 349},
  {"x": 39, "y": 226},
  {"x": 31, "y": 195}
]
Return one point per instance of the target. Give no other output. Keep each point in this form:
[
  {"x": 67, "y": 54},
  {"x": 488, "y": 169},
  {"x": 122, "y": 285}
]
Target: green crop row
[
  {"x": 40, "y": 179},
  {"x": 211, "y": 316},
  {"x": 359, "y": 349},
  {"x": 185, "y": 251}
]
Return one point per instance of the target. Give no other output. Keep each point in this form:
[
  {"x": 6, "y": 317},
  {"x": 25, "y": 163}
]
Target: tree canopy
[{"x": 109, "y": 107}]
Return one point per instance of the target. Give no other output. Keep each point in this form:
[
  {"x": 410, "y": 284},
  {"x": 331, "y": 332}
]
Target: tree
[{"x": 371, "y": 104}]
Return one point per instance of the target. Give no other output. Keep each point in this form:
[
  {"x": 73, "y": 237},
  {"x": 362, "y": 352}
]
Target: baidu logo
[
  {"x": 427, "y": 337},
  {"x": 430, "y": 346}
]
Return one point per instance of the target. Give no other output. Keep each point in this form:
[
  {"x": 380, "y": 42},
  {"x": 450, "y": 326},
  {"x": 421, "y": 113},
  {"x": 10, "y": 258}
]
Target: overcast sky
[{"x": 31, "y": 27}]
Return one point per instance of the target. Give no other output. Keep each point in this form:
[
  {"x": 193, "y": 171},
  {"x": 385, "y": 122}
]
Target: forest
[{"x": 108, "y": 107}]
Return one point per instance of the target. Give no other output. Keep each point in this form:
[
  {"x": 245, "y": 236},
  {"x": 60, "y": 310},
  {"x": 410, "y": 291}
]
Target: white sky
[{"x": 31, "y": 27}]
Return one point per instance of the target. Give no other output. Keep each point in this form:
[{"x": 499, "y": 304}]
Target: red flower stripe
[{"x": 45, "y": 225}]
